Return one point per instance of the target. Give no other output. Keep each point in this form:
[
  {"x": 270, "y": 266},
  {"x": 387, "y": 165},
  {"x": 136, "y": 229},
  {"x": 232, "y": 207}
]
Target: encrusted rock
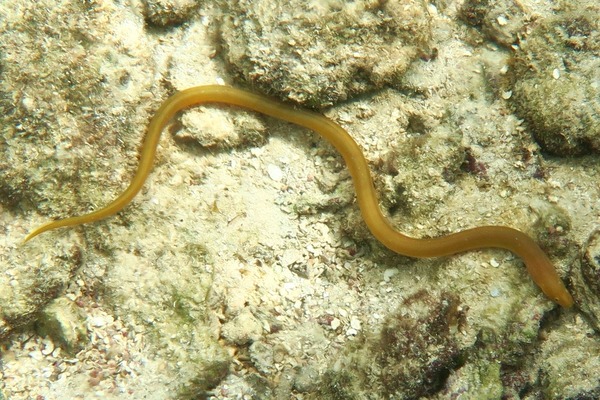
[
  {"x": 168, "y": 12},
  {"x": 243, "y": 329},
  {"x": 28, "y": 284},
  {"x": 321, "y": 53},
  {"x": 501, "y": 20},
  {"x": 556, "y": 87},
  {"x": 410, "y": 358},
  {"x": 586, "y": 280},
  {"x": 64, "y": 323}
]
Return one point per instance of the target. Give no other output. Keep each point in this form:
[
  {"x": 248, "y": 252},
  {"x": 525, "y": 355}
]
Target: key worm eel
[{"x": 538, "y": 264}]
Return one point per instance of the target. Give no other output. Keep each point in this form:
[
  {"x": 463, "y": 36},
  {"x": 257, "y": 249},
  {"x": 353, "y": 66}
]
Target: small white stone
[
  {"x": 502, "y": 21},
  {"x": 355, "y": 323},
  {"x": 48, "y": 347},
  {"x": 274, "y": 172},
  {"x": 494, "y": 263},
  {"x": 101, "y": 321},
  {"x": 555, "y": 184},
  {"x": 335, "y": 323},
  {"x": 36, "y": 355},
  {"x": 28, "y": 102},
  {"x": 290, "y": 257},
  {"x": 351, "y": 332},
  {"x": 389, "y": 273},
  {"x": 507, "y": 95},
  {"x": 556, "y": 73}
]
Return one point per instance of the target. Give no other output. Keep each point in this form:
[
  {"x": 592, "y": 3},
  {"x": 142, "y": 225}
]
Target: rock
[
  {"x": 163, "y": 13},
  {"x": 565, "y": 360},
  {"x": 28, "y": 284},
  {"x": 500, "y": 20},
  {"x": 62, "y": 321},
  {"x": 410, "y": 358},
  {"x": 243, "y": 329},
  {"x": 321, "y": 54},
  {"x": 585, "y": 275},
  {"x": 556, "y": 83}
]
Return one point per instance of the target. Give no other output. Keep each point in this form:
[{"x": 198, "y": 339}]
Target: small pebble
[
  {"x": 274, "y": 172},
  {"x": 389, "y": 273},
  {"x": 335, "y": 323}
]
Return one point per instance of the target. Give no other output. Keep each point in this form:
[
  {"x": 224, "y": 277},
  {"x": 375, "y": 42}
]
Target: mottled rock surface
[
  {"x": 243, "y": 269},
  {"x": 319, "y": 53},
  {"x": 556, "y": 89}
]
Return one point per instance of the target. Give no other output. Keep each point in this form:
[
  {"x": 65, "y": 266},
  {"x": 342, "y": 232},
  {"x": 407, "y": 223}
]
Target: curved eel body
[{"x": 538, "y": 265}]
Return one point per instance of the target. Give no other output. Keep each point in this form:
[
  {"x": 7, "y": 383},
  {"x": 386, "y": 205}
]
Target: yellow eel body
[{"x": 538, "y": 265}]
